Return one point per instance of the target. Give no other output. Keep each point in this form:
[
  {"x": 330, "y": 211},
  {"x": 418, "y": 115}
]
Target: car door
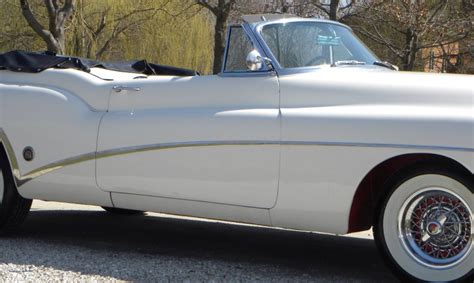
[{"x": 202, "y": 138}]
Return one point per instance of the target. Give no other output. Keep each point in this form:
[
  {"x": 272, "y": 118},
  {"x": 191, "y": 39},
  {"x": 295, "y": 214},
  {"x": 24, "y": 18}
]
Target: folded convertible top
[{"x": 33, "y": 62}]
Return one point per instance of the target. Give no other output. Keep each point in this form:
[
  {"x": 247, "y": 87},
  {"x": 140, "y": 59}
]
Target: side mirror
[{"x": 254, "y": 61}]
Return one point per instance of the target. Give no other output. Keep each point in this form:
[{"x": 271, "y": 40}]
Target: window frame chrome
[{"x": 257, "y": 46}]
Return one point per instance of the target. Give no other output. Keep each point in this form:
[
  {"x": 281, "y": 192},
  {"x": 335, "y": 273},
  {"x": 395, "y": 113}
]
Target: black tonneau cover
[{"x": 34, "y": 62}]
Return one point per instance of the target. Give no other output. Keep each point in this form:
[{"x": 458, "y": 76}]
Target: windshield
[{"x": 306, "y": 44}]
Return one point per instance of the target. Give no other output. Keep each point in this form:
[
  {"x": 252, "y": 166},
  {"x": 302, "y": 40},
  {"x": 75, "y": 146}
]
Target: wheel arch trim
[
  {"x": 10, "y": 157},
  {"x": 367, "y": 196}
]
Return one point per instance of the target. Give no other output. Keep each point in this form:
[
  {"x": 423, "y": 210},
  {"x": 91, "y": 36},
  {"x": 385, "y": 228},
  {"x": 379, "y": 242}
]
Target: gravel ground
[{"x": 61, "y": 242}]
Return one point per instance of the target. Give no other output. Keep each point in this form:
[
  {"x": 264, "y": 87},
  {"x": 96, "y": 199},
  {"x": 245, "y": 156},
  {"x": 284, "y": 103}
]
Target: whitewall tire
[{"x": 425, "y": 226}]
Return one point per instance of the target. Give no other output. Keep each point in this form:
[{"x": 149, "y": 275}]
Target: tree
[
  {"x": 279, "y": 6},
  {"x": 463, "y": 62},
  {"x": 58, "y": 15},
  {"x": 335, "y": 10},
  {"x": 103, "y": 33},
  {"x": 221, "y": 9},
  {"x": 406, "y": 27}
]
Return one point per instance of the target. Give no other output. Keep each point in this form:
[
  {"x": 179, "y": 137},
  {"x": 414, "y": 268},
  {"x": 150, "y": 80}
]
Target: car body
[{"x": 305, "y": 147}]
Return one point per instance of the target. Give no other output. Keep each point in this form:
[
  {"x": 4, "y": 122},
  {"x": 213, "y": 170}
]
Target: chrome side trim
[
  {"x": 174, "y": 145},
  {"x": 165, "y": 146},
  {"x": 20, "y": 180},
  {"x": 128, "y": 150},
  {"x": 55, "y": 166},
  {"x": 247, "y": 74},
  {"x": 380, "y": 145}
]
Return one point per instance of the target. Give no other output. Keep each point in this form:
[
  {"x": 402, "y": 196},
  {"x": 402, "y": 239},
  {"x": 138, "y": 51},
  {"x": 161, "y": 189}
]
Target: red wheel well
[{"x": 370, "y": 190}]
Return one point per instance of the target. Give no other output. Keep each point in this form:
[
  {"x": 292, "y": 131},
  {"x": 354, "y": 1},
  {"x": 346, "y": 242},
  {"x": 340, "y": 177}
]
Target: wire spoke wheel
[
  {"x": 435, "y": 226},
  {"x": 425, "y": 226}
]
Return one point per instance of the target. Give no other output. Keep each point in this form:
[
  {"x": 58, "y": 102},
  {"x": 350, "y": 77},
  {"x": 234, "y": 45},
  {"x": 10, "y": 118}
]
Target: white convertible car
[{"x": 303, "y": 129}]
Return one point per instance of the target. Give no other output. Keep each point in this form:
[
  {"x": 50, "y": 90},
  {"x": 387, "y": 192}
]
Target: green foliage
[
  {"x": 15, "y": 32},
  {"x": 161, "y": 31}
]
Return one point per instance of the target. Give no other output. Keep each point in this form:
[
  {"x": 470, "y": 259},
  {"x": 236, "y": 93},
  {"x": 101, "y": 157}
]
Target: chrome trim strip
[
  {"x": 164, "y": 146},
  {"x": 55, "y": 166},
  {"x": 20, "y": 180},
  {"x": 379, "y": 145},
  {"x": 247, "y": 74},
  {"x": 226, "y": 49},
  {"x": 128, "y": 150},
  {"x": 298, "y": 19}
]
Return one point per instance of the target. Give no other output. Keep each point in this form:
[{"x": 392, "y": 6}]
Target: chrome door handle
[{"x": 120, "y": 88}]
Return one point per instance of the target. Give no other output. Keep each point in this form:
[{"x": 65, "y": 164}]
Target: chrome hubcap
[{"x": 435, "y": 226}]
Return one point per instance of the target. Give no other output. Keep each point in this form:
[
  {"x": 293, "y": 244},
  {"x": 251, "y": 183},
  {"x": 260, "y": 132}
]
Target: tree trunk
[
  {"x": 285, "y": 6},
  {"x": 333, "y": 8},
  {"x": 221, "y": 11},
  {"x": 410, "y": 50},
  {"x": 53, "y": 45},
  {"x": 60, "y": 41},
  {"x": 219, "y": 42}
]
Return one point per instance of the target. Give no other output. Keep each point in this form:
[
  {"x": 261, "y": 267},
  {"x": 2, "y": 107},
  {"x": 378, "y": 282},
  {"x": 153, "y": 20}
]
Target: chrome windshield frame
[{"x": 256, "y": 29}]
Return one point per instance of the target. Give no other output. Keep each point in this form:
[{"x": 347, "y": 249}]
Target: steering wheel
[{"x": 316, "y": 59}]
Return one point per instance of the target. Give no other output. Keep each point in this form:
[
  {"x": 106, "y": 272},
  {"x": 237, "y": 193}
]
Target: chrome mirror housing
[{"x": 254, "y": 61}]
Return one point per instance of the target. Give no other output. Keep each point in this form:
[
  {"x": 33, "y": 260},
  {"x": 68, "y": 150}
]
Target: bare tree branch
[
  {"x": 414, "y": 25},
  {"x": 321, "y": 7},
  {"x": 50, "y": 7},
  {"x": 30, "y": 18},
  {"x": 57, "y": 17},
  {"x": 35, "y": 25},
  {"x": 208, "y": 6}
]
